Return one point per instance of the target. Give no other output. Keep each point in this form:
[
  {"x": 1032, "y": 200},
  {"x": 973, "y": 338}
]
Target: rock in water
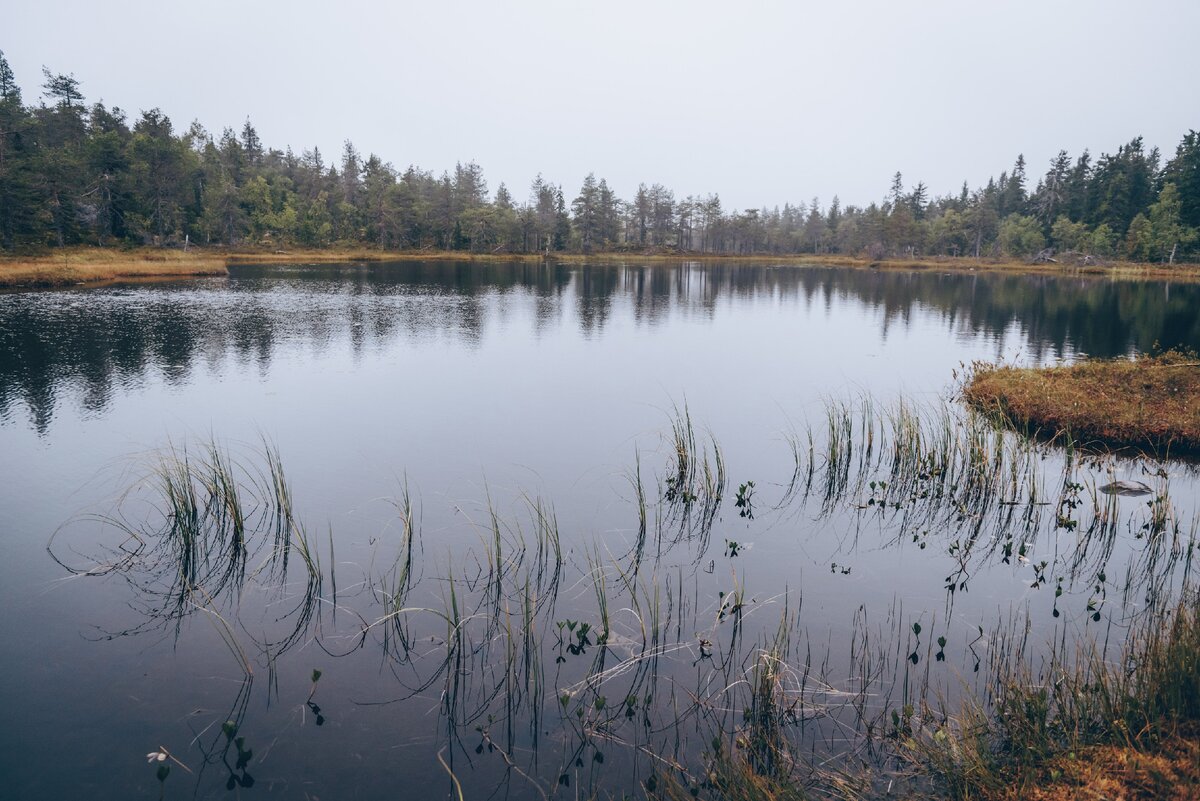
[{"x": 1126, "y": 488}]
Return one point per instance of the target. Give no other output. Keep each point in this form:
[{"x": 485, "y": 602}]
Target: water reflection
[{"x": 92, "y": 341}]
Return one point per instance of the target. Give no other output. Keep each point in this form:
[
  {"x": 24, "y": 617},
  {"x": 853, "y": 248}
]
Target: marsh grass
[
  {"x": 1149, "y": 403},
  {"x": 1143, "y": 700},
  {"x": 90, "y": 265},
  {"x": 708, "y": 681},
  {"x": 73, "y": 265},
  {"x": 195, "y": 530},
  {"x": 694, "y": 483},
  {"x": 984, "y": 492}
]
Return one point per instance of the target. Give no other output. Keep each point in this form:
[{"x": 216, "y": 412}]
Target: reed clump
[
  {"x": 196, "y": 529},
  {"x": 1149, "y": 403}
]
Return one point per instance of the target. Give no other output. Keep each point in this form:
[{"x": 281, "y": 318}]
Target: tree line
[{"x": 75, "y": 174}]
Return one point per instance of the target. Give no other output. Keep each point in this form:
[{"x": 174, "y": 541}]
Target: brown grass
[
  {"x": 1170, "y": 772},
  {"x": 1152, "y": 402},
  {"x": 91, "y": 265},
  {"x": 1186, "y": 273},
  {"x": 1117, "y": 270},
  {"x": 336, "y": 255},
  {"x": 1125, "y": 270}
]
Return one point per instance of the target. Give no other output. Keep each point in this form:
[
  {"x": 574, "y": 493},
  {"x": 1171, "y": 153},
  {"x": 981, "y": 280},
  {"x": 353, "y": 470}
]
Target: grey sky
[{"x": 764, "y": 102}]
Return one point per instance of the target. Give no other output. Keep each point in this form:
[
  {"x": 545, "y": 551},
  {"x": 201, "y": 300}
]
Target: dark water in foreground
[{"x": 496, "y": 393}]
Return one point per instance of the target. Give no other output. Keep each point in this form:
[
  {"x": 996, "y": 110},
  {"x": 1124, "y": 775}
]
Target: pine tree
[
  {"x": 1183, "y": 170},
  {"x": 586, "y": 208},
  {"x": 562, "y": 221},
  {"x": 641, "y": 213},
  {"x": 1167, "y": 232},
  {"x": 251, "y": 144},
  {"x": 158, "y": 176},
  {"x": 8, "y": 85},
  {"x": 918, "y": 199},
  {"x": 1013, "y": 201},
  {"x": 896, "y": 193},
  {"x": 64, "y": 89},
  {"x": 834, "y": 216},
  {"x": 609, "y": 215},
  {"x": 19, "y": 203},
  {"x": 1051, "y": 197}
]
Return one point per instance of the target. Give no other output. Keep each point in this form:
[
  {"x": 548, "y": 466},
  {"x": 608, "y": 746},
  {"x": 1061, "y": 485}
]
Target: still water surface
[{"x": 508, "y": 382}]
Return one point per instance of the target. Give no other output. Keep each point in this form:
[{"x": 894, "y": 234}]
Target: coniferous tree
[
  {"x": 18, "y": 197},
  {"x": 1050, "y": 198},
  {"x": 586, "y": 210},
  {"x": 1013, "y": 201},
  {"x": 251, "y": 144},
  {"x": 73, "y": 173},
  {"x": 610, "y": 214},
  {"x": 1183, "y": 170},
  {"x": 1167, "y": 232}
]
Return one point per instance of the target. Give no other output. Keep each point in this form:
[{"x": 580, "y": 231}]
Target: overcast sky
[{"x": 763, "y": 102}]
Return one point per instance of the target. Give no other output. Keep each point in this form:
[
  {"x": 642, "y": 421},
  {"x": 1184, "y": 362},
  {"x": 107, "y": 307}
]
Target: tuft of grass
[
  {"x": 195, "y": 530},
  {"x": 1151, "y": 402}
]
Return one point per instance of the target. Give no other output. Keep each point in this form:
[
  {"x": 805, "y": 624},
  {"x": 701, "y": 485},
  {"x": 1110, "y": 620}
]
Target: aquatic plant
[{"x": 708, "y": 680}]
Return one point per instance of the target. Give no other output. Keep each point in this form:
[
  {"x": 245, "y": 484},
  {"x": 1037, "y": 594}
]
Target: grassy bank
[
  {"x": 340, "y": 255},
  {"x": 93, "y": 265},
  {"x": 89, "y": 265},
  {"x": 1150, "y": 403},
  {"x": 1123, "y": 270}
]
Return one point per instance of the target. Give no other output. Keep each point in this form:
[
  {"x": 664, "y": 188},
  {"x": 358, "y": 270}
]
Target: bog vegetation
[
  {"x": 1151, "y": 403},
  {"x": 541, "y": 659},
  {"x": 75, "y": 174}
]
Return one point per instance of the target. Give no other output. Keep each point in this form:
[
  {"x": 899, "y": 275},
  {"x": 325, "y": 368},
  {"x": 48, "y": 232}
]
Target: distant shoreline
[{"x": 76, "y": 266}]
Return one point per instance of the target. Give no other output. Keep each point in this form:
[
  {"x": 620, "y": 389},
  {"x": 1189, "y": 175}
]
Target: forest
[{"x": 78, "y": 174}]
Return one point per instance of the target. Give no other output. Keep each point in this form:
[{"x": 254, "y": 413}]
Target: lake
[{"x": 543, "y": 530}]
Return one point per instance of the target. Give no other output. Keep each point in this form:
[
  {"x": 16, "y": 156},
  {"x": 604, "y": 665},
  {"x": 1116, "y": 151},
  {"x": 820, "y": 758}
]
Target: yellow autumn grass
[
  {"x": 77, "y": 265},
  {"x": 1152, "y": 402},
  {"x": 91, "y": 265}
]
